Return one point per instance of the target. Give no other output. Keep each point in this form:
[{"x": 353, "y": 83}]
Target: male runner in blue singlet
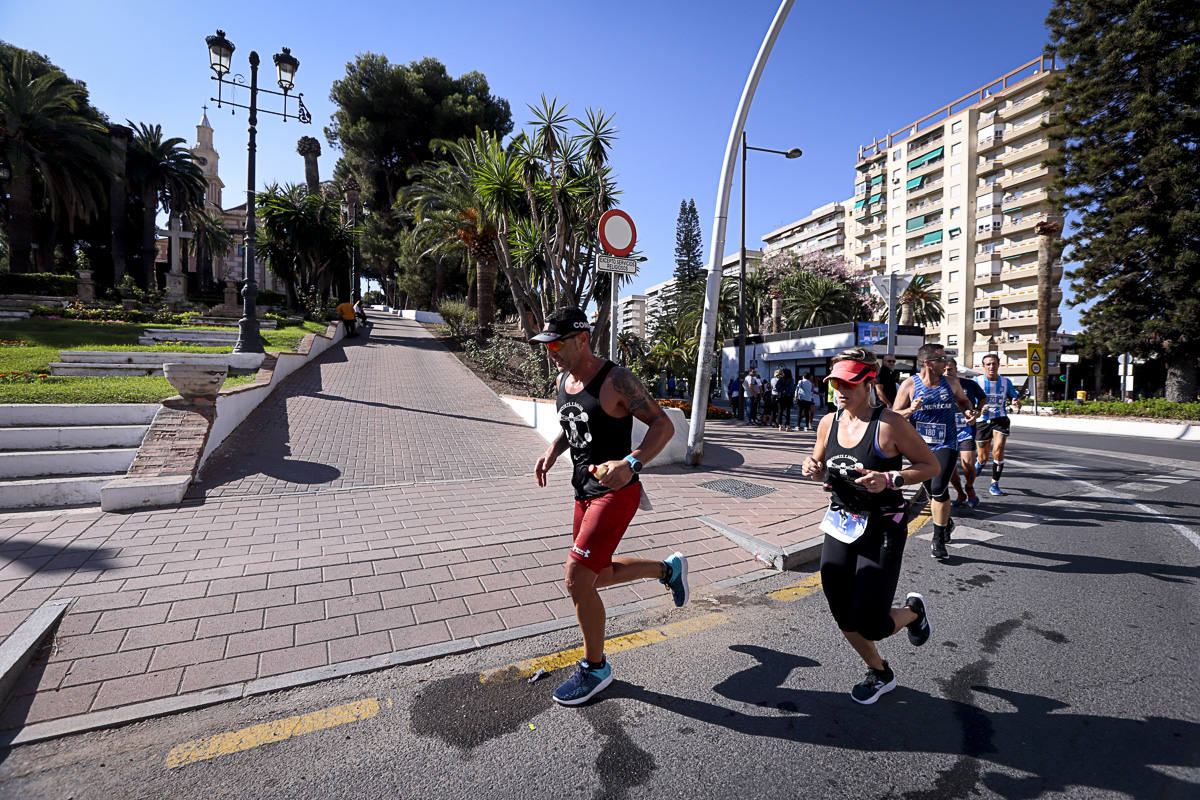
[
  {"x": 991, "y": 432},
  {"x": 930, "y": 399}
]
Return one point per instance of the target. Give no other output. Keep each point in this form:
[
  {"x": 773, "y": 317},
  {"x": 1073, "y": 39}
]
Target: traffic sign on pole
[
  {"x": 617, "y": 233},
  {"x": 625, "y": 266},
  {"x": 1036, "y": 358}
]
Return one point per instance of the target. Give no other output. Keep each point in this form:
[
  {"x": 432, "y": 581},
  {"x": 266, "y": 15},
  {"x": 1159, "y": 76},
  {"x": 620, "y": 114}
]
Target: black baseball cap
[{"x": 569, "y": 321}]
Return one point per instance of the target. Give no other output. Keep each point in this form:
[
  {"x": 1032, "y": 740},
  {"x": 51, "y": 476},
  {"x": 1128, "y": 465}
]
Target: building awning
[
  {"x": 1011, "y": 210},
  {"x": 878, "y": 179},
  {"x": 914, "y": 183},
  {"x": 955, "y": 230},
  {"x": 875, "y": 198},
  {"x": 932, "y": 154},
  {"x": 932, "y": 238},
  {"x": 859, "y": 204},
  {"x": 916, "y": 222}
]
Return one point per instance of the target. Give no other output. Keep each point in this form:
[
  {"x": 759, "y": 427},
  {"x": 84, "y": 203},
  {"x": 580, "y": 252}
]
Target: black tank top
[
  {"x": 842, "y": 465},
  {"x": 594, "y": 435}
]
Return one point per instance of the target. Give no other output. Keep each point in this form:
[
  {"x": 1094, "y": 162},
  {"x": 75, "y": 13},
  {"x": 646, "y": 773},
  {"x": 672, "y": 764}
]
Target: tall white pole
[
  {"x": 708, "y": 329},
  {"x": 612, "y": 322}
]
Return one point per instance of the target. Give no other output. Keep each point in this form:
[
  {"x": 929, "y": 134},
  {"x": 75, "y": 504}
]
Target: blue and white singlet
[
  {"x": 998, "y": 392},
  {"x": 934, "y": 420}
]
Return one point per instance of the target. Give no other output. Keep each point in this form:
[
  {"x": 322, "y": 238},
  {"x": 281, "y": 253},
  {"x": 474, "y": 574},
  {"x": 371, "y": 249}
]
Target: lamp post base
[{"x": 249, "y": 338}]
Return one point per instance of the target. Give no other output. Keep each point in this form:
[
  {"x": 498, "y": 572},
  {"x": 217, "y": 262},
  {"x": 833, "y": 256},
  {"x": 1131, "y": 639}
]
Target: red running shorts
[{"x": 600, "y": 522}]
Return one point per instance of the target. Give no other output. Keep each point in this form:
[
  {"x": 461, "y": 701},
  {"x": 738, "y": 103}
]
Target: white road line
[
  {"x": 964, "y": 535},
  {"x": 1108, "y": 455},
  {"x": 1098, "y": 491}
]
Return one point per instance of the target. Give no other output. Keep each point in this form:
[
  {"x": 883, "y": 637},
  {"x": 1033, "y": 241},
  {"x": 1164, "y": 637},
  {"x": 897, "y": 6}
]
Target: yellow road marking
[
  {"x": 224, "y": 744},
  {"x": 812, "y": 583},
  {"x": 618, "y": 644}
]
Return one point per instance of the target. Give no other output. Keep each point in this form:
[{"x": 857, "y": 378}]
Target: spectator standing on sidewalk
[
  {"x": 887, "y": 381},
  {"x": 346, "y": 312},
  {"x": 805, "y": 395},
  {"x": 766, "y": 415},
  {"x": 783, "y": 388},
  {"x": 597, "y": 401},
  {"x": 859, "y": 455},
  {"x": 735, "y": 396},
  {"x": 753, "y": 387}
]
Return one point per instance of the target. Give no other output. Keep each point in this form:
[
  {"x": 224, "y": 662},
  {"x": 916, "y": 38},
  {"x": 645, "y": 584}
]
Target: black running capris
[
  {"x": 939, "y": 485},
  {"x": 860, "y": 579}
]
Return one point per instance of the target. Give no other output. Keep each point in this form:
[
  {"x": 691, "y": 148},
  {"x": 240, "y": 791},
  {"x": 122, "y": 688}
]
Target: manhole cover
[{"x": 736, "y": 488}]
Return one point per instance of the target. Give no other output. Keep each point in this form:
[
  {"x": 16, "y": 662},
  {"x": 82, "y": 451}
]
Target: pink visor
[{"x": 851, "y": 372}]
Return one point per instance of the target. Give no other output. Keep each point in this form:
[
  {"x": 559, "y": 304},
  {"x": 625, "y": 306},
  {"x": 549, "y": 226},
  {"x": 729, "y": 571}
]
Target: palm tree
[
  {"x": 53, "y": 150},
  {"x": 303, "y": 237},
  {"x": 812, "y": 301},
  {"x": 631, "y": 348},
  {"x": 443, "y": 199},
  {"x": 210, "y": 241},
  {"x": 920, "y": 304},
  {"x": 166, "y": 176}
]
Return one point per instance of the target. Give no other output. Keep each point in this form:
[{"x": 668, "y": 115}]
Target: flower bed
[
  {"x": 686, "y": 407},
  {"x": 1152, "y": 408}
]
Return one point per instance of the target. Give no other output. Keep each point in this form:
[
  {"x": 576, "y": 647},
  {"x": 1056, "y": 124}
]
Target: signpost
[
  {"x": 1067, "y": 359},
  {"x": 891, "y": 287},
  {"x": 1035, "y": 358},
  {"x": 617, "y": 236}
]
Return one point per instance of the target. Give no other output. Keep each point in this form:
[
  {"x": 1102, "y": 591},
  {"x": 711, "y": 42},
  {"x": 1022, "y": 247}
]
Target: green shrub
[
  {"x": 460, "y": 319},
  {"x": 374, "y": 298},
  {"x": 42, "y": 283},
  {"x": 1150, "y": 408},
  {"x": 513, "y": 362}
]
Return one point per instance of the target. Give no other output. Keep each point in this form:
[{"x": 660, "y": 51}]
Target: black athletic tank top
[
  {"x": 594, "y": 436},
  {"x": 842, "y": 465}
]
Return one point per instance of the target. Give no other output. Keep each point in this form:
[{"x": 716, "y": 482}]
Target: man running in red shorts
[{"x": 597, "y": 401}]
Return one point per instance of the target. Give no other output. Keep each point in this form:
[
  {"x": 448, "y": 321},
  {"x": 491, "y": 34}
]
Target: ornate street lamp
[{"x": 220, "y": 55}]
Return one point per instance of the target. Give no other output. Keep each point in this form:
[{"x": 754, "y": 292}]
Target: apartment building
[
  {"x": 955, "y": 197},
  {"x": 822, "y": 231},
  {"x": 631, "y": 315}
]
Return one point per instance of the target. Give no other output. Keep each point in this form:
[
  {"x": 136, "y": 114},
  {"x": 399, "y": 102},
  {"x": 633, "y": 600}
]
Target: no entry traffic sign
[{"x": 617, "y": 234}]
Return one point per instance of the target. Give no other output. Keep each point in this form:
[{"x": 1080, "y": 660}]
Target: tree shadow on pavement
[
  {"x": 1035, "y": 736},
  {"x": 48, "y": 557},
  {"x": 389, "y": 406}
]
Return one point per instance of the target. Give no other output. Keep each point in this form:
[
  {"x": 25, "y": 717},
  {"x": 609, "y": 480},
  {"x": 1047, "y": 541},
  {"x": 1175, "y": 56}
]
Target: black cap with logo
[{"x": 564, "y": 322}]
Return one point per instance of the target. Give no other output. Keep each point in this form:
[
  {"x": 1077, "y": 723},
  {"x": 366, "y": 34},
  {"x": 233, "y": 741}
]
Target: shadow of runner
[
  {"x": 43, "y": 557},
  {"x": 1036, "y": 737}
]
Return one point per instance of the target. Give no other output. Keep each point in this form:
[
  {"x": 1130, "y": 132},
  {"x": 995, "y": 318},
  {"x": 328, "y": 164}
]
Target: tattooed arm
[{"x": 635, "y": 400}]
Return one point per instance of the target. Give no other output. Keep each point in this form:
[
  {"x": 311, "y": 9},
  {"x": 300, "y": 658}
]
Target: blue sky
[{"x": 670, "y": 72}]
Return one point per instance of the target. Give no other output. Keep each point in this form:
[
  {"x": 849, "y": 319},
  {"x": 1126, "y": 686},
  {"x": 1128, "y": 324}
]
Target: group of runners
[{"x": 859, "y": 455}]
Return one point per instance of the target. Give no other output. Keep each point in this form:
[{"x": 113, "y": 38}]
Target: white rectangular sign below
[
  {"x": 1069, "y": 358},
  {"x": 625, "y": 266}
]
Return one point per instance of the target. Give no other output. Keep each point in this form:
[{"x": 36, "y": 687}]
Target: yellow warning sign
[{"x": 1036, "y": 358}]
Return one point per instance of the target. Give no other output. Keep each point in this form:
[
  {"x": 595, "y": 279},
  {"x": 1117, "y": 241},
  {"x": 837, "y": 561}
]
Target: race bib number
[
  {"x": 932, "y": 432},
  {"x": 996, "y": 401},
  {"x": 844, "y": 525}
]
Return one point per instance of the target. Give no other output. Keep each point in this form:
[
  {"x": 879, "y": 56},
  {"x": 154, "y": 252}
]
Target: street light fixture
[
  {"x": 351, "y": 191},
  {"x": 794, "y": 152},
  {"x": 220, "y": 56}
]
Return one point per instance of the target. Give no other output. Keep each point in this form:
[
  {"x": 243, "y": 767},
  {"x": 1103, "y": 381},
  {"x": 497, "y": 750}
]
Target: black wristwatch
[{"x": 634, "y": 464}]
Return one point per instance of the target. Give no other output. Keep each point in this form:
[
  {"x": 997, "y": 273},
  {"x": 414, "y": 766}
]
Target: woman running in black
[{"x": 858, "y": 453}]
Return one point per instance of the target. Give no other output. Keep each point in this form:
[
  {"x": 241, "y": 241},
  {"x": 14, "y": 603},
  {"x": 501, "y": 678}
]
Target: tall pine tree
[
  {"x": 689, "y": 259},
  {"x": 1130, "y": 161}
]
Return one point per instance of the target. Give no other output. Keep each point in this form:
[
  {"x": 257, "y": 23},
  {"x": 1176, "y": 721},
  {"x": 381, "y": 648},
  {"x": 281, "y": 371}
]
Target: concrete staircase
[
  {"x": 124, "y": 363},
  {"x": 52, "y": 456},
  {"x": 199, "y": 337}
]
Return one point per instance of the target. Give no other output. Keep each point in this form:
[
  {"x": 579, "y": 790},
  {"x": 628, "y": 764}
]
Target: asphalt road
[{"x": 1061, "y": 665}]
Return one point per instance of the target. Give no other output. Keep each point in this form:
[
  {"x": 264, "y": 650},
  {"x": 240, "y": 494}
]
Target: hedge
[
  {"x": 46, "y": 284},
  {"x": 686, "y": 407},
  {"x": 1150, "y": 408}
]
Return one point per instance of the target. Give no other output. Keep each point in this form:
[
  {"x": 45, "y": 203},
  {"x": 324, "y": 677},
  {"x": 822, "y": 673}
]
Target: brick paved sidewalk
[{"x": 432, "y": 531}]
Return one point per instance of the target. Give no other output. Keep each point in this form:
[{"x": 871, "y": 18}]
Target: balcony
[
  {"x": 989, "y": 186},
  {"x": 875, "y": 262},
  {"x": 1025, "y": 223},
  {"x": 928, "y": 168},
  {"x": 1025, "y": 176},
  {"x": 1013, "y": 249},
  {"x": 933, "y": 223},
  {"x": 986, "y": 270},
  {"x": 925, "y": 188},
  {"x": 1029, "y": 124},
  {"x": 989, "y": 141},
  {"x": 989, "y": 228},
  {"x": 987, "y": 165},
  {"x": 926, "y": 146},
  {"x": 1024, "y": 102},
  {"x": 928, "y": 264},
  {"x": 876, "y": 224},
  {"x": 1037, "y": 147}
]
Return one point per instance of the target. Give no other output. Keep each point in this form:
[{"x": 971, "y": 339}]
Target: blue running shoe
[
  {"x": 978, "y": 467},
  {"x": 959, "y": 503},
  {"x": 994, "y": 489},
  {"x": 678, "y": 582},
  {"x": 972, "y": 499},
  {"x": 586, "y": 683}
]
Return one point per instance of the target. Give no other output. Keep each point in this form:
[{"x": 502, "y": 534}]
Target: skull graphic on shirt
[{"x": 574, "y": 422}]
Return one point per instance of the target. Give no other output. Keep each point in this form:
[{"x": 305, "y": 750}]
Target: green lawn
[{"x": 27, "y": 347}]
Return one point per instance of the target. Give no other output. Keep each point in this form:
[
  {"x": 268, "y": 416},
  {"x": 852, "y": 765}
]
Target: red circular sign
[{"x": 617, "y": 234}]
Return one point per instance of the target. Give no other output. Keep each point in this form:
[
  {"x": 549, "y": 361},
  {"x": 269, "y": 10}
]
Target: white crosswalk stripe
[{"x": 964, "y": 535}]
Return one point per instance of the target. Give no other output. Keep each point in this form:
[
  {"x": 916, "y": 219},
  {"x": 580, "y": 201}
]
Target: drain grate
[{"x": 737, "y": 488}]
